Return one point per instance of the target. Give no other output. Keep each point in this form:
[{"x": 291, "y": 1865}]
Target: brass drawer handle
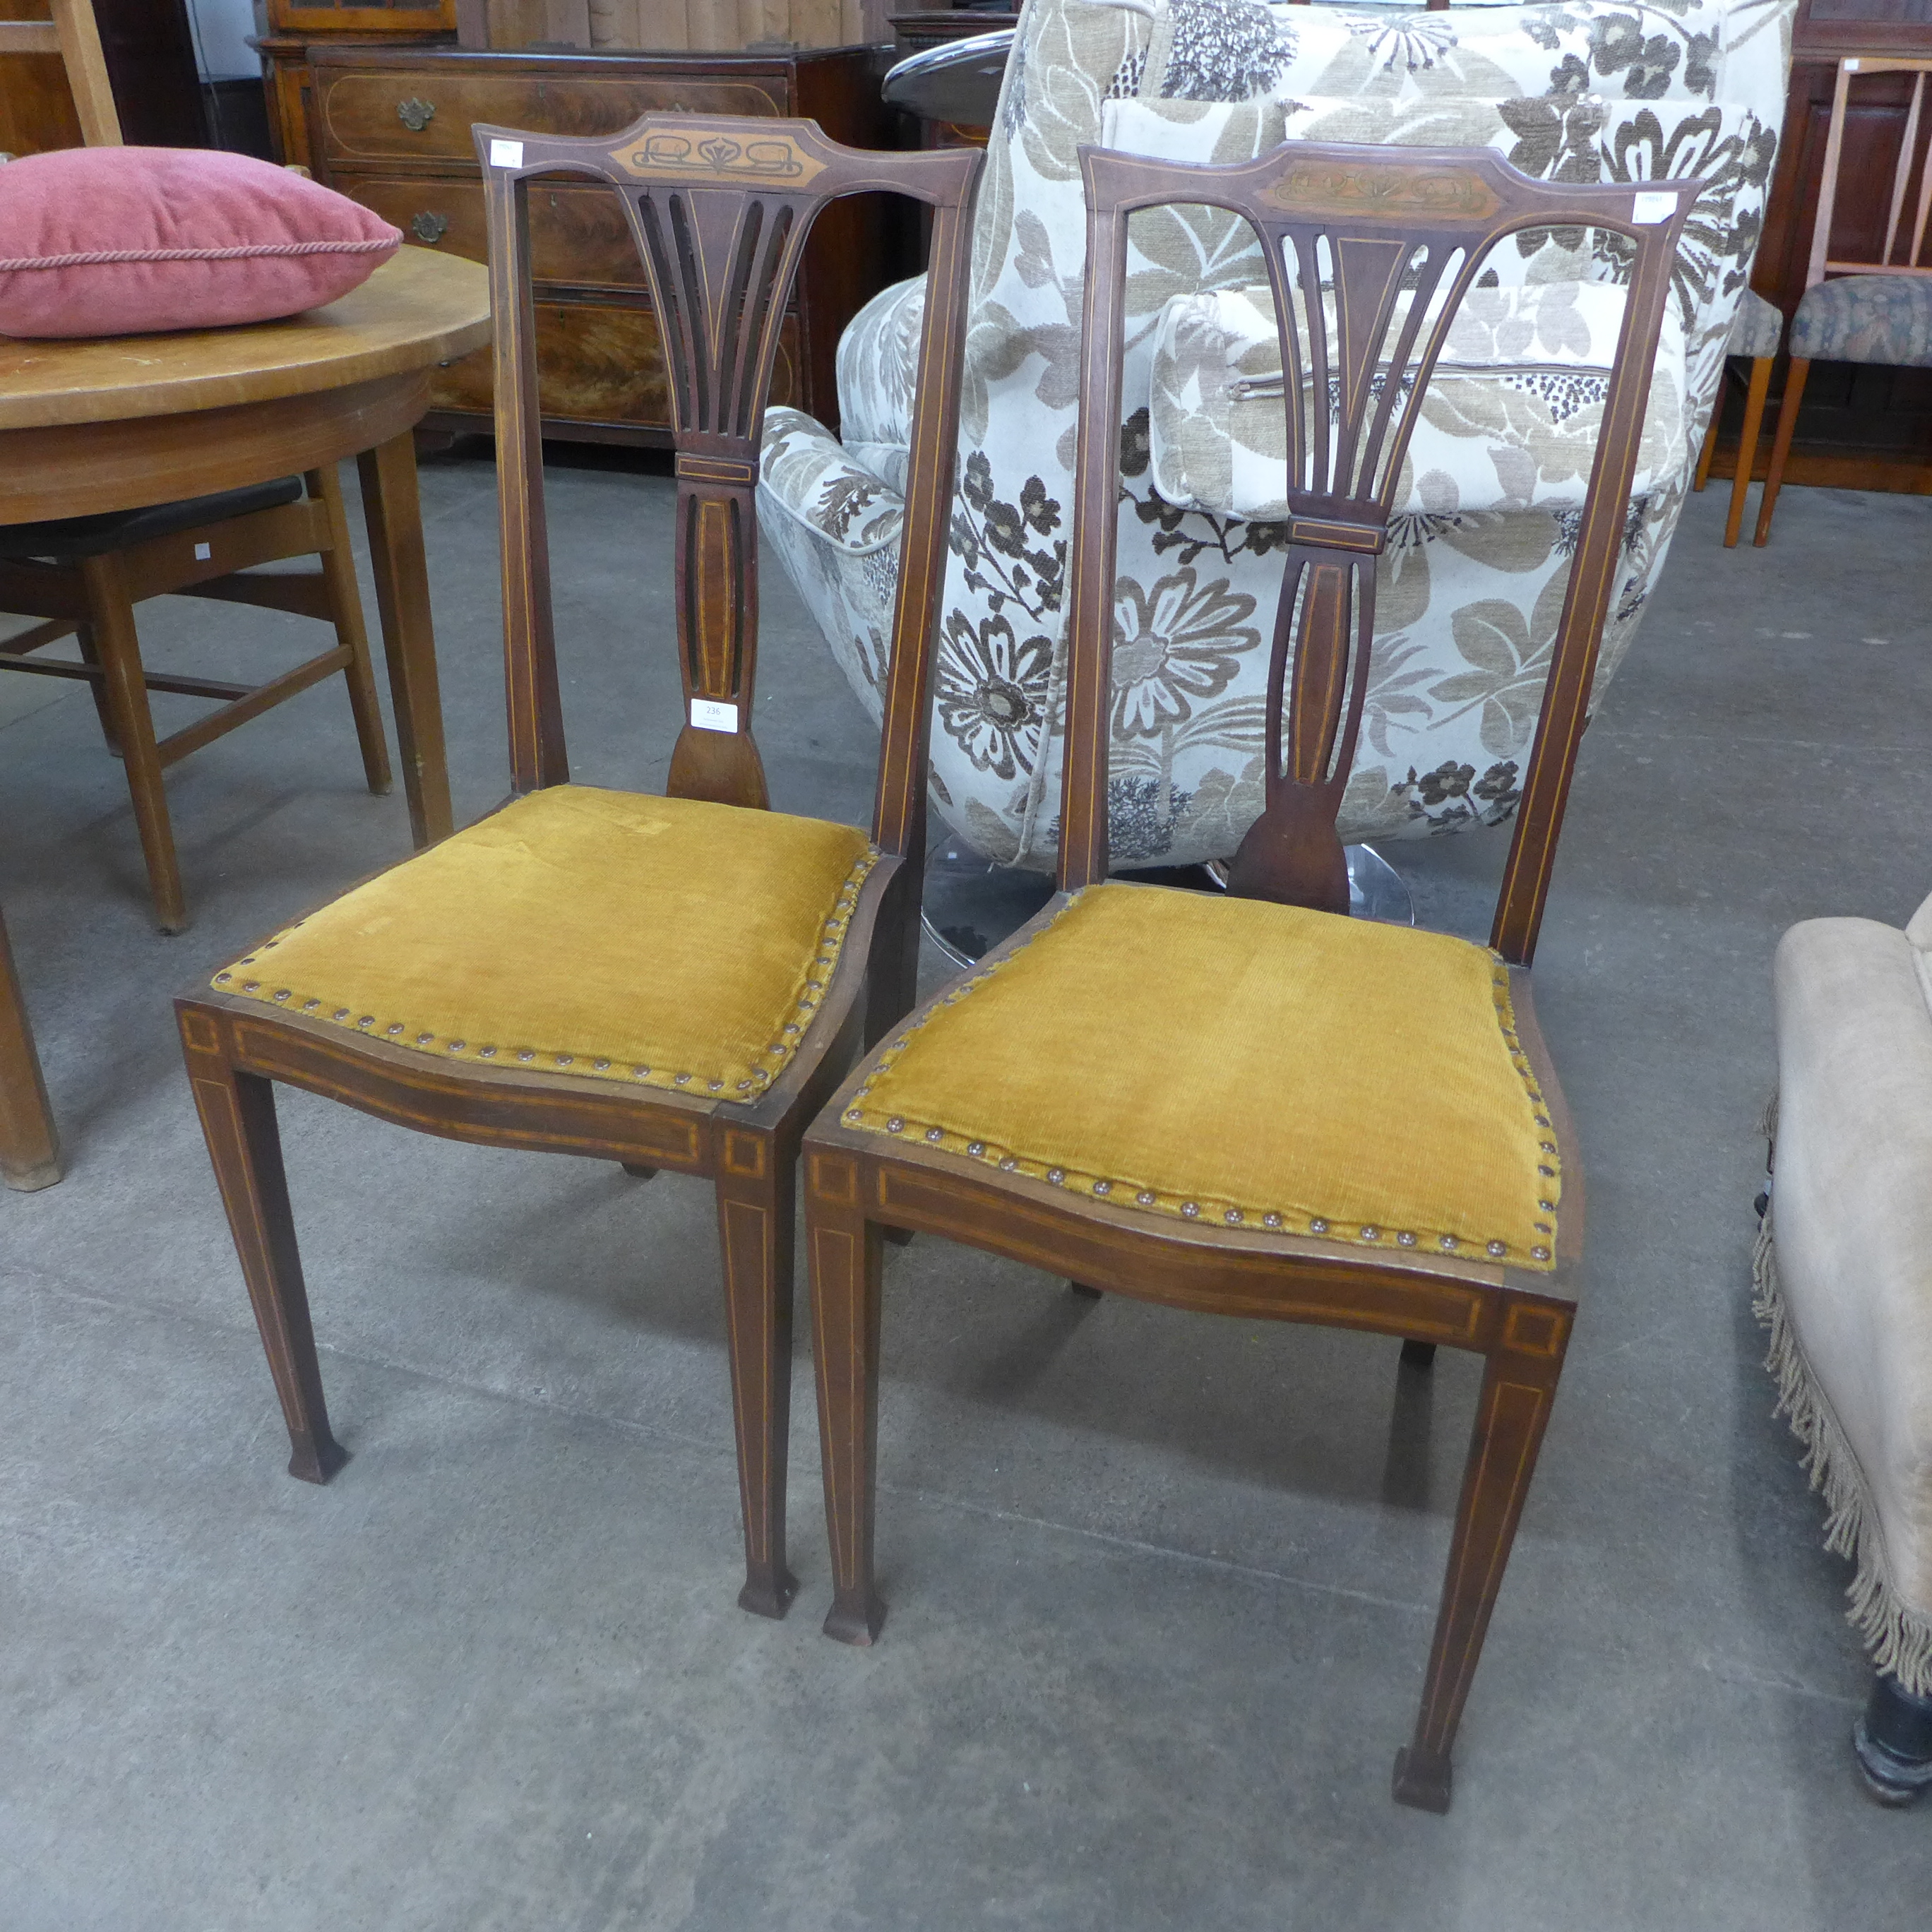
[
  {"x": 415, "y": 115},
  {"x": 427, "y": 227}
]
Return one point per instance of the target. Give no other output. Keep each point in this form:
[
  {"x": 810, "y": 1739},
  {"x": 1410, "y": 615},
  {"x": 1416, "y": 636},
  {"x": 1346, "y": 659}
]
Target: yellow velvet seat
[
  {"x": 1254, "y": 1064},
  {"x": 661, "y": 942}
]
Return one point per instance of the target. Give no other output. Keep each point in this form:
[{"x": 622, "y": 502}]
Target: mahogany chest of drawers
[{"x": 390, "y": 127}]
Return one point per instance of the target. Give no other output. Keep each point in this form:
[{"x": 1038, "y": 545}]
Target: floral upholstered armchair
[{"x": 1470, "y": 587}]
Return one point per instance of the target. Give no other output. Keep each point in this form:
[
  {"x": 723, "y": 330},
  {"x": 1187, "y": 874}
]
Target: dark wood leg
[
  {"x": 846, "y": 1258},
  {"x": 1418, "y": 1354},
  {"x": 238, "y": 1118},
  {"x": 29, "y": 1147},
  {"x": 1780, "y": 446},
  {"x": 1518, "y": 1383},
  {"x": 395, "y": 517},
  {"x": 345, "y": 602},
  {"x": 1893, "y": 1742},
  {"x": 111, "y": 618},
  {"x": 637, "y": 1172},
  {"x": 756, "y": 1222},
  {"x": 1710, "y": 448},
  {"x": 1760, "y": 387}
]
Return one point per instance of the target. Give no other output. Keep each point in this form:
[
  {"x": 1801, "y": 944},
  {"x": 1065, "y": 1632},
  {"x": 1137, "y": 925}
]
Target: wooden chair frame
[
  {"x": 1378, "y": 214},
  {"x": 73, "y": 34},
  {"x": 94, "y": 599},
  {"x": 720, "y": 208},
  {"x": 1821, "y": 264},
  {"x": 1760, "y": 388}
]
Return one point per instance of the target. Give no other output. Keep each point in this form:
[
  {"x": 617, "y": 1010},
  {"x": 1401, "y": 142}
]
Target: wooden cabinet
[
  {"x": 390, "y": 127},
  {"x": 1860, "y": 426}
]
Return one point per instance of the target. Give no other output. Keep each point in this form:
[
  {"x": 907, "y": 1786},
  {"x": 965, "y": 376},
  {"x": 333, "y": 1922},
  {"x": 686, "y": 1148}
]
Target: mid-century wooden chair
[
  {"x": 86, "y": 574},
  {"x": 1858, "y": 311},
  {"x": 1255, "y": 1105},
  {"x": 1756, "y": 332},
  {"x": 668, "y": 982}
]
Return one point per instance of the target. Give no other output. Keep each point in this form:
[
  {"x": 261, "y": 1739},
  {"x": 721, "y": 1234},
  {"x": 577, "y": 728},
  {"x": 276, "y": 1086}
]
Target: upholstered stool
[
  {"x": 1844, "y": 1282},
  {"x": 1757, "y": 332}
]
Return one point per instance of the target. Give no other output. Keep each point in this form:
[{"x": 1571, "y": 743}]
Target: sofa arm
[
  {"x": 878, "y": 360},
  {"x": 806, "y": 473}
]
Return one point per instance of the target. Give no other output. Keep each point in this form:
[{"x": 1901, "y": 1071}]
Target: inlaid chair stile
[{"x": 671, "y": 983}]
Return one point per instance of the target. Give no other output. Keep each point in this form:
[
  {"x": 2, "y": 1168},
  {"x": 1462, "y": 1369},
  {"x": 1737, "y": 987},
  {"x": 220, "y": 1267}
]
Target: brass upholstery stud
[
  {"x": 1318, "y": 1225},
  {"x": 976, "y": 1146},
  {"x": 743, "y": 1085},
  {"x": 1447, "y": 1242},
  {"x": 563, "y": 1060},
  {"x": 1232, "y": 1217},
  {"x": 680, "y": 1079},
  {"x": 1543, "y": 1227},
  {"x": 1548, "y": 1173},
  {"x": 789, "y": 1027},
  {"x": 283, "y": 994},
  {"x": 1056, "y": 1174},
  {"x": 854, "y": 1114},
  {"x": 524, "y": 1053},
  {"x": 1371, "y": 1234},
  {"x": 935, "y": 1133},
  {"x": 1406, "y": 1240},
  {"x": 1144, "y": 1198},
  {"x": 251, "y": 986},
  {"x": 486, "y": 1053},
  {"x": 1539, "y": 1254},
  {"x": 715, "y": 1085},
  {"x": 896, "y": 1124},
  {"x": 1271, "y": 1220},
  {"x": 422, "y": 1039},
  {"x": 342, "y": 1012},
  {"x": 222, "y": 980},
  {"x": 1007, "y": 1165},
  {"x": 310, "y": 1006},
  {"x": 641, "y": 1072},
  {"x": 1548, "y": 1206},
  {"x": 397, "y": 1027},
  {"x": 367, "y": 1019},
  {"x": 457, "y": 1046},
  {"x": 602, "y": 1065},
  {"x": 1103, "y": 1187},
  {"x": 1498, "y": 1248}
]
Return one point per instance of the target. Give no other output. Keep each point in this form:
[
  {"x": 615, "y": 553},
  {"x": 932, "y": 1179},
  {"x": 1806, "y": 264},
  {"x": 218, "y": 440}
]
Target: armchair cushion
[
  {"x": 1883, "y": 319},
  {"x": 1244, "y": 1064},
  {"x": 611, "y": 935},
  {"x": 1845, "y": 1282},
  {"x": 1511, "y": 420}
]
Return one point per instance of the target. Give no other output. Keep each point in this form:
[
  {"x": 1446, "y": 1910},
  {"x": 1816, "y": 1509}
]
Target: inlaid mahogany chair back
[
  {"x": 743, "y": 956},
  {"x": 1253, "y": 1105},
  {"x": 1369, "y": 259},
  {"x": 1853, "y": 310}
]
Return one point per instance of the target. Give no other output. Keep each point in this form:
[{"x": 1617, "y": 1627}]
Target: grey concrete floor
[{"x": 1161, "y": 1586}]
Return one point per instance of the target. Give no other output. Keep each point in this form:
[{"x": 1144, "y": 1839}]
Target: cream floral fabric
[
  {"x": 1468, "y": 591},
  {"x": 1510, "y": 420}
]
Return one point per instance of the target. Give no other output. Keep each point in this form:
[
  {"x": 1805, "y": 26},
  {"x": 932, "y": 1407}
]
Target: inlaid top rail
[{"x": 417, "y": 309}]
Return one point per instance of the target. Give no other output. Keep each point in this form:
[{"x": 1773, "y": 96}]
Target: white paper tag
[
  {"x": 204, "y": 553},
  {"x": 506, "y": 154},
  {"x": 1651, "y": 209},
  {"x": 708, "y": 715}
]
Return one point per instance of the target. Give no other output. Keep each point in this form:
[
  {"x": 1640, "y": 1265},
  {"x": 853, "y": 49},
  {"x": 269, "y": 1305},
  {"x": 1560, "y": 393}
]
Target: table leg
[
  {"x": 390, "y": 503},
  {"x": 29, "y": 1149}
]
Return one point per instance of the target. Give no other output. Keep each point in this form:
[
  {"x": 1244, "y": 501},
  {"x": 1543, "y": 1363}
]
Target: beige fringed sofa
[{"x": 1844, "y": 1283}]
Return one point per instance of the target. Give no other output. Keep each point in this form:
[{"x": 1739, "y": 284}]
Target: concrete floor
[{"x": 1161, "y": 1586}]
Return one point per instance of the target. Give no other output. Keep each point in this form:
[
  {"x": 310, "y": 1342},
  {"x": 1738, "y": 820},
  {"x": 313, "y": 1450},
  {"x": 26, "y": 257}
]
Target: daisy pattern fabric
[{"x": 1469, "y": 591}]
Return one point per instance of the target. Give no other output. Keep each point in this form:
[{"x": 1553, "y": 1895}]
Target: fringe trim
[{"x": 1899, "y": 1638}]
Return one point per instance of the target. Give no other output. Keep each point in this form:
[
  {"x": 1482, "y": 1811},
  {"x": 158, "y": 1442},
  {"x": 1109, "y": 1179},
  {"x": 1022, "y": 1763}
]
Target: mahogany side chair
[
  {"x": 1255, "y": 1105},
  {"x": 86, "y": 574},
  {"x": 674, "y": 981},
  {"x": 1854, "y": 311}
]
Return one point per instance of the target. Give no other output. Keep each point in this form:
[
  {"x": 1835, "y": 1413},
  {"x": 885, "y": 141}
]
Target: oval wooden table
[{"x": 123, "y": 421}]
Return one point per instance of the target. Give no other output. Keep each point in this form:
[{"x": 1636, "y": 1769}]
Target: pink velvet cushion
[{"x": 128, "y": 240}]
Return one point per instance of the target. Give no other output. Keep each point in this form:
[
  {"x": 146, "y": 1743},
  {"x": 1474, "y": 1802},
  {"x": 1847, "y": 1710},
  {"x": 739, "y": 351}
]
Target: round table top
[
  {"x": 418, "y": 308},
  {"x": 958, "y": 82}
]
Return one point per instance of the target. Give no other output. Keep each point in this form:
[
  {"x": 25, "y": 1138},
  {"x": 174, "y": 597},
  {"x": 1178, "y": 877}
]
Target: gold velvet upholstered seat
[
  {"x": 1283, "y": 1069},
  {"x": 581, "y": 931}
]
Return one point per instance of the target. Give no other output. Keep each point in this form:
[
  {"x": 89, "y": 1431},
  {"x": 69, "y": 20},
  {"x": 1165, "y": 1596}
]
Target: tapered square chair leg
[
  {"x": 846, "y": 1257},
  {"x": 238, "y": 1118},
  {"x": 1518, "y": 1383},
  {"x": 757, "y": 1217}
]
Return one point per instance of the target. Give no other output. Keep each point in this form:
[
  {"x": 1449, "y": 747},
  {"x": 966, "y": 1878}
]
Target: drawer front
[
  {"x": 577, "y": 230},
  {"x": 597, "y": 365},
  {"x": 396, "y": 114}
]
